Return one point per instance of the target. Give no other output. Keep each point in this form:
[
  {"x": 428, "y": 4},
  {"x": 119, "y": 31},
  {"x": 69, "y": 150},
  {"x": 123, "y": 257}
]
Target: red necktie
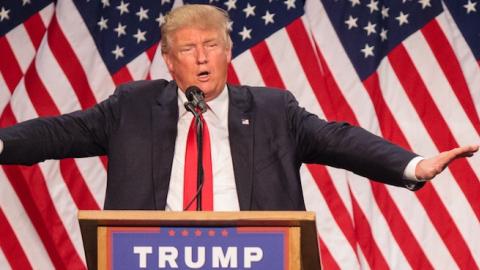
[{"x": 190, "y": 181}]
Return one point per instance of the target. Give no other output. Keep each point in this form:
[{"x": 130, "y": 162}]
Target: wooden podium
[{"x": 105, "y": 231}]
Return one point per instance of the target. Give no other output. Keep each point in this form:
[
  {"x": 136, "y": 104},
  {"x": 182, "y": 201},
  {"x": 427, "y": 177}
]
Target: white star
[
  {"x": 142, "y": 14},
  {"x": 355, "y": 2},
  {"x": 383, "y": 34},
  {"x": 245, "y": 33},
  {"x": 120, "y": 29},
  {"x": 385, "y": 12},
  {"x": 231, "y": 4},
  {"x": 470, "y": 6},
  {"x": 351, "y": 22},
  {"x": 268, "y": 17},
  {"x": 106, "y": 3},
  {"x": 123, "y": 7},
  {"x": 102, "y": 23},
  {"x": 249, "y": 10},
  {"x": 425, "y": 3},
  {"x": 290, "y": 4},
  {"x": 4, "y": 14},
  {"x": 24, "y": 2},
  {"x": 118, "y": 52},
  {"x": 367, "y": 51},
  {"x": 370, "y": 28},
  {"x": 402, "y": 18},
  {"x": 373, "y": 6},
  {"x": 230, "y": 25},
  {"x": 140, "y": 36},
  {"x": 165, "y": 1},
  {"x": 160, "y": 19}
]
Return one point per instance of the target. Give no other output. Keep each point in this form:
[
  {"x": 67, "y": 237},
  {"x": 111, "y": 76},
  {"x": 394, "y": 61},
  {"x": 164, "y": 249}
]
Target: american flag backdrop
[{"x": 407, "y": 70}]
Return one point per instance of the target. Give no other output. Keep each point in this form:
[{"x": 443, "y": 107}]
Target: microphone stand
[{"x": 199, "y": 135}]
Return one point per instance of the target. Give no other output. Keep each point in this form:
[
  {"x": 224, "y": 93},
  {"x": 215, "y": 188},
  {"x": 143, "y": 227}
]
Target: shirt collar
[{"x": 218, "y": 106}]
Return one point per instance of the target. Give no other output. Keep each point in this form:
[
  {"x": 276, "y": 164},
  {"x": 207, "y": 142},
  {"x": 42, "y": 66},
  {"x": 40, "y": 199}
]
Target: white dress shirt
[{"x": 224, "y": 188}]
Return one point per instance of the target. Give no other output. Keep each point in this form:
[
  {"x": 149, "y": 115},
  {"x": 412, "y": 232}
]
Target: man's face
[{"x": 199, "y": 57}]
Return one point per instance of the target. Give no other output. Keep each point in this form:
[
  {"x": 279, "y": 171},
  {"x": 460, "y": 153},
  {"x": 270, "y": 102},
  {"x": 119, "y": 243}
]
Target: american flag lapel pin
[{"x": 245, "y": 122}]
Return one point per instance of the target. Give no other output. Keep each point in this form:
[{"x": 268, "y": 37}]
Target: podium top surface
[{"x": 132, "y": 217}]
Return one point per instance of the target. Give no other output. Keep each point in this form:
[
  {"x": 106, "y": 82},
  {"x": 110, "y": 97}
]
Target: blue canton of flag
[
  {"x": 254, "y": 21},
  {"x": 124, "y": 29},
  {"x": 15, "y": 12},
  {"x": 466, "y": 15},
  {"x": 369, "y": 30}
]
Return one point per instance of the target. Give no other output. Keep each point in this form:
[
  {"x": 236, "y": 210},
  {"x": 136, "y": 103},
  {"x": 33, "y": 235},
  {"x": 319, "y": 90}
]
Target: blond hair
[{"x": 202, "y": 16}]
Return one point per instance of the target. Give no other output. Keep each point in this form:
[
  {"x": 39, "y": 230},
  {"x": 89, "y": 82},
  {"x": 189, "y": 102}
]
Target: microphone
[{"x": 196, "y": 98}]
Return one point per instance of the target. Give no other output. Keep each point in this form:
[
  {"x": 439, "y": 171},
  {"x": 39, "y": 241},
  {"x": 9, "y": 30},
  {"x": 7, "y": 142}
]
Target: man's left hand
[{"x": 431, "y": 167}]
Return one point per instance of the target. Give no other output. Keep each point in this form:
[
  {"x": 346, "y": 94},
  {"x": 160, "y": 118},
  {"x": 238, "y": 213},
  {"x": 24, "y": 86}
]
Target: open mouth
[{"x": 203, "y": 74}]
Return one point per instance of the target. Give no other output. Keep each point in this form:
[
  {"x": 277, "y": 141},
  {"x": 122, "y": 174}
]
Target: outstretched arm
[{"x": 431, "y": 167}]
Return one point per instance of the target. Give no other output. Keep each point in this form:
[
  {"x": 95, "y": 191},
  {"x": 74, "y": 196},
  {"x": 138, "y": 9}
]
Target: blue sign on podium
[{"x": 197, "y": 248}]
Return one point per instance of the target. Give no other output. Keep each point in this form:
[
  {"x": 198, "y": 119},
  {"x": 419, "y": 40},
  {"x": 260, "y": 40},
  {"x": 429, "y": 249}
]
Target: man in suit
[{"x": 259, "y": 136}]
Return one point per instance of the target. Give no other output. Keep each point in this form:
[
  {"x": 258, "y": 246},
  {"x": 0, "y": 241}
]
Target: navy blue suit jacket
[{"x": 137, "y": 127}]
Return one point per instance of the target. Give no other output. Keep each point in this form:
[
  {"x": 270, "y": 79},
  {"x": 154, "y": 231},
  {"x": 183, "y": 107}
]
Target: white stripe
[
  {"x": 328, "y": 229},
  {"x": 3, "y": 261},
  {"x": 22, "y": 46},
  {"x": 286, "y": 61},
  {"x": 63, "y": 202},
  {"x": 362, "y": 191},
  {"x": 362, "y": 259},
  {"x": 420, "y": 141},
  {"x": 55, "y": 81},
  {"x": 247, "y": 70},
  {"x": 4, "y": 94},
  {"x": 21, "y": 225},
  {"x": 139, "y": 67},
  {"x": 84, "y": 47},
  {"x": 442, "y": 94},
  {"x": 20, "y": 103},
  {"x": 468, "y": 63},
  {"x": 95, "y": 176},
  {"x": 46, "y": 14}
]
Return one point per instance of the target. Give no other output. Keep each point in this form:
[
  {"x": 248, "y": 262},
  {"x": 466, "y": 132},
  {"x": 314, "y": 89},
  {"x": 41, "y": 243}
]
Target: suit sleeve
[
  {"x": 77, "y": 134},
  {"x": 341, "y": 145}
]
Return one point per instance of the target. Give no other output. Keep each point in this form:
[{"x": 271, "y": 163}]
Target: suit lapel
[
  {"x": 164, "y": 132},
  {"x": 241, "y": 127}
]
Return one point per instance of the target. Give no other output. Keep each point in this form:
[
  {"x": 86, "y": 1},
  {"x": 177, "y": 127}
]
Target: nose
[{"x": 202, "y": 56}]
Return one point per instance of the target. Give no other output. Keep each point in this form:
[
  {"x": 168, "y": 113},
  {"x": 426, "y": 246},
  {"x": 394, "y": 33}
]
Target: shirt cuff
[{"x": 409, "y": 172}]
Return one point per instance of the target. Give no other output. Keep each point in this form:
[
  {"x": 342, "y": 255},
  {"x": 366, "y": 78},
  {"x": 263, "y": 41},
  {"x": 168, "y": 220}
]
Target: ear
[
  {"x": 168, "y": 62},
  {"x": 229, "y": 55}
]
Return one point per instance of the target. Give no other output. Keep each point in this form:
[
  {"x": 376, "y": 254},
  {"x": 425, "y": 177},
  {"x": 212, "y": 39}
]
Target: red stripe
[
  {"x": 10, "y": 246},
  {"x": 29, "y": 185},
  {"x": 122, "y": 76},
  {"x": 269, "y": 72},
  {"x": 80, "y": 192},
  {"x": 370, "y": 249},
  {"x": 9, "y": 67},
  {"x": 232, "y": 77},
  {"x": 327, "y": 261},
  {"x": 151, "y": 51},
  {"x": 44, "y": 105},
  {"x": 35, "y": 29},
  {"x": 334, "y": 202},
  {"x": 70, "y": 64},
  {"x": 400, "y": 230},
  {"x": 450, "y": 65},
  {"x": 461, "y": 170}
]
